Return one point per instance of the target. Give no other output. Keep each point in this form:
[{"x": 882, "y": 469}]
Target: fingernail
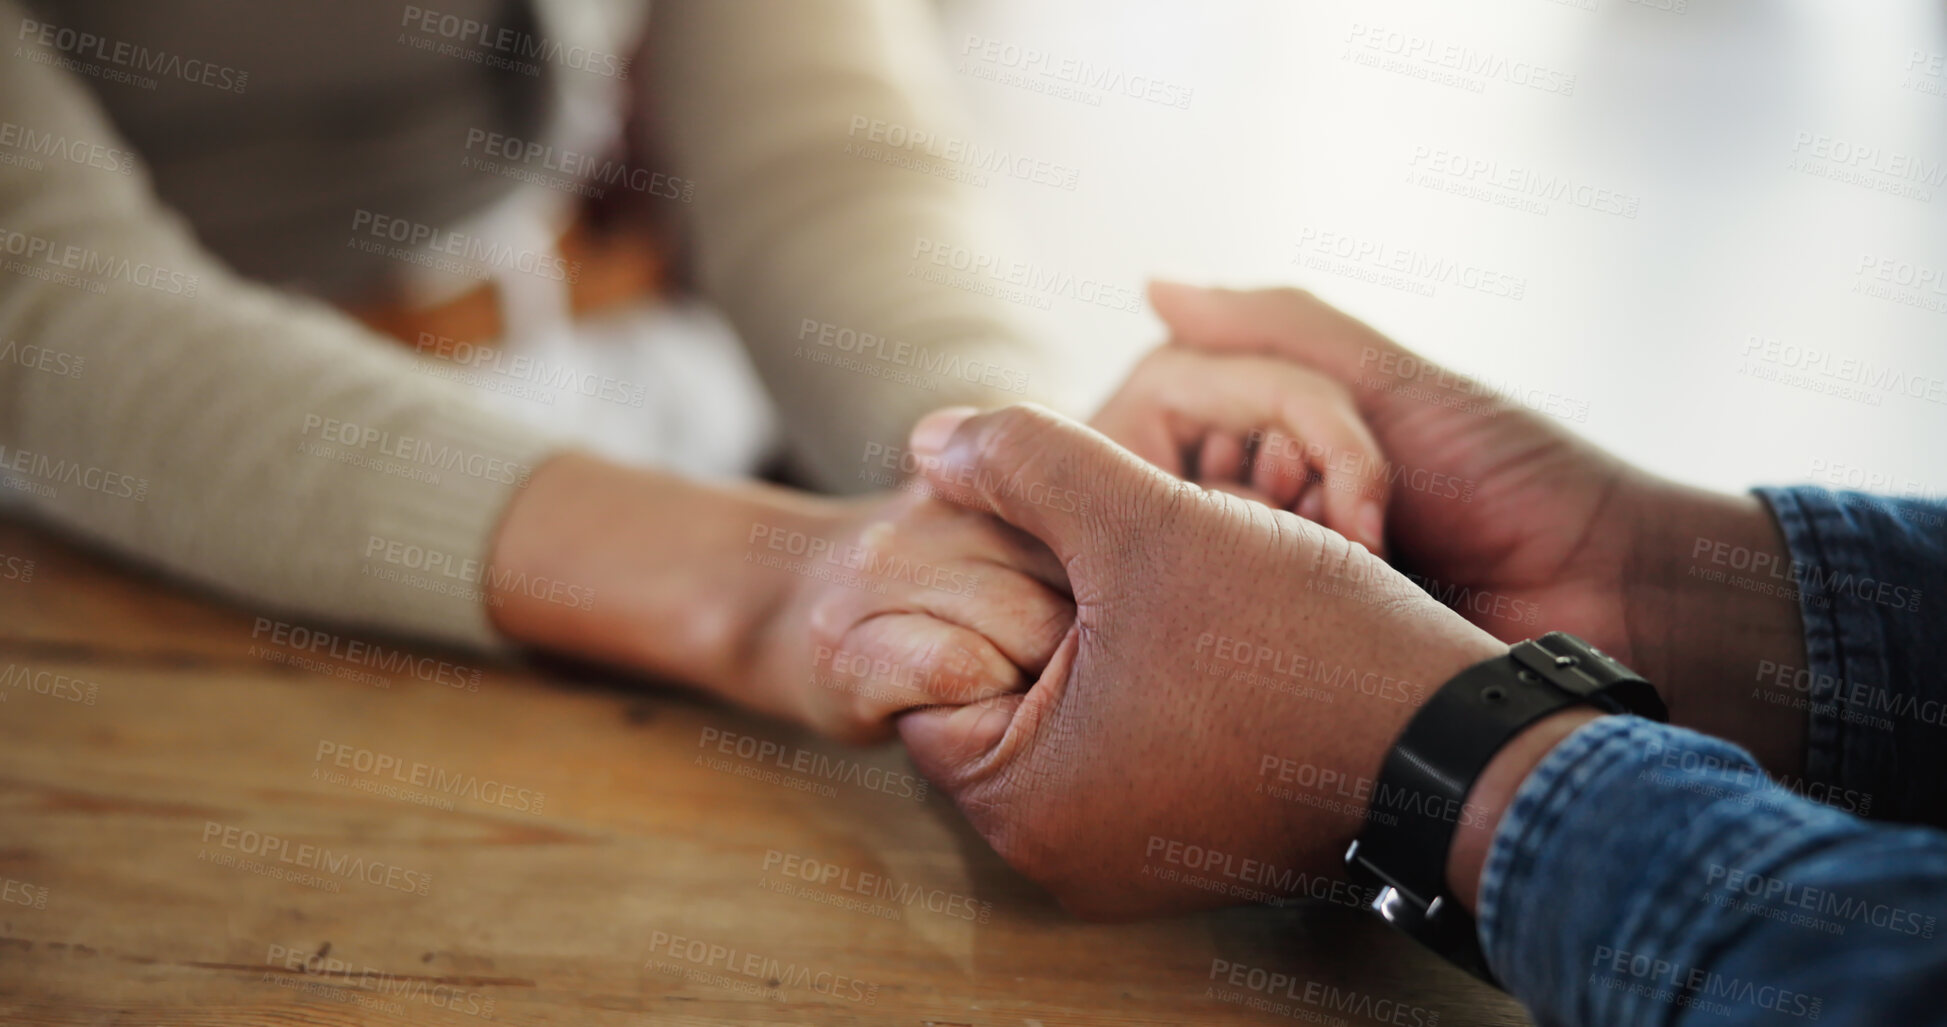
[
  {"x": 1372, "y": 527},
  {"x": 931, "y": 433}
]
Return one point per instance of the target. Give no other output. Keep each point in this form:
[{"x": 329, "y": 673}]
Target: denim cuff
[
  {"x": 1872, "y": 577},
  {"x": 1592, "y": 903}
]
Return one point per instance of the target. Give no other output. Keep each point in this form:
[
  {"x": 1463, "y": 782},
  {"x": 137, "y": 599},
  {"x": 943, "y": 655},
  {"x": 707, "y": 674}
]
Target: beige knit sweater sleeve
[
  {"x": 831, "y": 208},
  {"x": 272, "y": 449},
  {"x": 153, "y": 401}
]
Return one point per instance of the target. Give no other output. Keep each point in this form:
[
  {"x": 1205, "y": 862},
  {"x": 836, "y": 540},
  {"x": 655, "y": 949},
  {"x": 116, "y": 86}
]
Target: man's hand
[
  {"x": 1525, "y": 527},
  {"x": 1233, "y": 674},
  {"x": 1262, "y": 427}
]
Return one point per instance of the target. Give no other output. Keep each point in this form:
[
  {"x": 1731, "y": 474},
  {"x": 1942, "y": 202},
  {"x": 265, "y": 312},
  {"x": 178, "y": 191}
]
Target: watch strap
[{"x": 1420, "y": 797}]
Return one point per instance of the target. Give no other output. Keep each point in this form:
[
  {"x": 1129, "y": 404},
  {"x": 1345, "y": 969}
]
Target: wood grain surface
[{"x": 207, "y": 817}]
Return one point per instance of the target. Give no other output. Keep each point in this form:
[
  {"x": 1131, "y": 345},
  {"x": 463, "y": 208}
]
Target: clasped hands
[
  {"x": 1186, "y": 628},
  {"x": 1189, "y": 639}
]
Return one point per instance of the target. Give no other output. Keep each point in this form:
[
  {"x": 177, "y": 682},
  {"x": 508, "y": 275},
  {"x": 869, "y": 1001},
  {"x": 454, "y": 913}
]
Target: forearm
[
  {"x": 1642, "y": 874},
  {"x": 644, "y": 569}
]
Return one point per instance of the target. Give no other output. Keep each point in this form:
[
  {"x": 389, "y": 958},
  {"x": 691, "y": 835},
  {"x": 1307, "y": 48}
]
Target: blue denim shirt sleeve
[
  {"x": 1872, "y": 582},
  {"x": 1649, "y": 875}
]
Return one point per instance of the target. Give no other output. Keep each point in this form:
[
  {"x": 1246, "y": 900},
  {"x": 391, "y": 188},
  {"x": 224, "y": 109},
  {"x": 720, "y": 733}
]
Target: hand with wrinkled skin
[
  {"x": 1528, "y": 527},
  {"x": 1138, "y": 736}
]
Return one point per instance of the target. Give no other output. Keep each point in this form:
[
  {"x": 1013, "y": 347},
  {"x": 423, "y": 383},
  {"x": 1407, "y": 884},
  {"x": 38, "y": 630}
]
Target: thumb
[
  {"x": 1293, "y": 324},
  {"x": 1062, "y": 482}
]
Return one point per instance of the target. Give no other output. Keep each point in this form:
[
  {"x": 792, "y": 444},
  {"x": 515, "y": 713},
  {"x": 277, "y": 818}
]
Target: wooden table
[{"x": 204, "y": 820}]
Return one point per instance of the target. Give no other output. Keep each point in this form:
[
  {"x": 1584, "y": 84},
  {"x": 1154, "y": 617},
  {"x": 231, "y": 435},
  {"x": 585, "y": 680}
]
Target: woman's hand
[
  {"x": 833, "y": 613},
  {"x": 894, "y": 602},
  {"x": 1261, "y": 427}
]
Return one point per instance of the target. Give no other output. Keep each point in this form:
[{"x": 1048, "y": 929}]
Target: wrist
[
  {"x": 1710, "y": 600},
  {"x": 636, "y": 568},
  {"x": 1494, "y": 791}
]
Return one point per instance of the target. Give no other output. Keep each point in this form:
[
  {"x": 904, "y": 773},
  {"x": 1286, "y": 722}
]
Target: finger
[
  {"x": 1129, "y": 418},
  {"x": 1014, "y": 549},
  {"x": 1022, "y": 617},
  {"x": 947, "y": 742},
  {"x": 1311, "y": 505},
  {"x": 959, "y": 747},
  {"x": 1221, "y": 458},
  {"x": 1297, "y": 325},
  {"x": 898, "y": 661},
  {"x": 1055, "y": 479},
  {"x": 1278, "y": 469},
  {"x": 1354, "y": 484}
]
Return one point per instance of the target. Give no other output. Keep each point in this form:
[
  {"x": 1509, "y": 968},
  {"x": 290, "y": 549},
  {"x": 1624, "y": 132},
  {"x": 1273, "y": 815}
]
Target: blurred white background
[{"x": 1770, "y": 149}]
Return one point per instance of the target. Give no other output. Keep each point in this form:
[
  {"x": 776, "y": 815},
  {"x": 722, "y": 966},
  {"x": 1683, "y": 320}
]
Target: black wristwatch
[{"x": 1421, "y": 793}]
